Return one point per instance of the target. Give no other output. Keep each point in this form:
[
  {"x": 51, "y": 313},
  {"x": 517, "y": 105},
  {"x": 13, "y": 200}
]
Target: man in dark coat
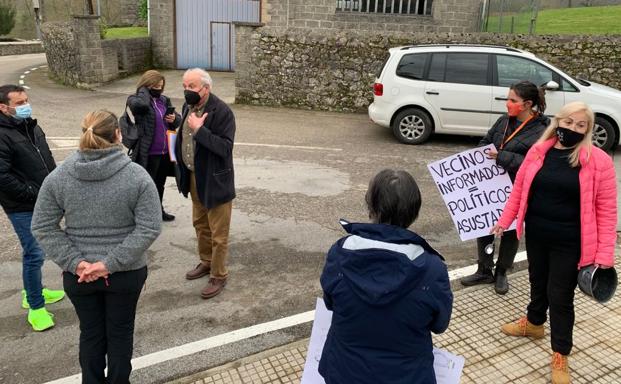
[
  {"x": 204, "y": 152},
  {"x": 25, "y": 160}
]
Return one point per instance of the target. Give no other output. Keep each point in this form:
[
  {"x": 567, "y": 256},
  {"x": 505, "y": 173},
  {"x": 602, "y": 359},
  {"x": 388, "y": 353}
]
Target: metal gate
[{"x": 206, "y": 34}]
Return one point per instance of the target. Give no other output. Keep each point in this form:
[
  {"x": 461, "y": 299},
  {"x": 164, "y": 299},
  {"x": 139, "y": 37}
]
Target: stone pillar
[
  {"x": 98, "y": 64},
  {"x": 163, "y": 33},
  {"x": 129, "y": 13},
  {"x": 245, "y": 69},
  {"x": 457, "y": 16}
]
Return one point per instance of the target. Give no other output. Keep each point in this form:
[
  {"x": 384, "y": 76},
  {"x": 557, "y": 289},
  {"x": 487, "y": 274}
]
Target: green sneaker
[
  {"x": 50, "y": 296},
  {"x": 40, "y": 319}
]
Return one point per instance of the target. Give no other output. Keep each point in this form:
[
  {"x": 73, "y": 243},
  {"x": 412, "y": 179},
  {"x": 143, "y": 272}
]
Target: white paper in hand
[
  {"x": 447, "y": 366},
  {"x": 321, "y": 326}
]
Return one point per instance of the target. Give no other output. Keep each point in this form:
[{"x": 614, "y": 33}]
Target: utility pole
[
  {"x": 89, "y": 7},
  {"x": 502, "y": 6},
  {"x": 533, "y": 19},
  {"x": 37, "y": 7}
]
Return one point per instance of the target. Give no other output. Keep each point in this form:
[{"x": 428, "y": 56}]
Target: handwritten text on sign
[{"x": 474, "y": 189}]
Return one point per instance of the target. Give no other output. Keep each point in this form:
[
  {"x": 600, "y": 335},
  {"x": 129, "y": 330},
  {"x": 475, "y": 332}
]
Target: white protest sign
[
  {"x": 474, "y": 189},
  {"x": 319, "y": 333},
  {"x": 447, "y": 366}
]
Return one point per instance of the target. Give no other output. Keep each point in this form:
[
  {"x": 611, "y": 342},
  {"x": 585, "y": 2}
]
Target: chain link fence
[{"x": 520, "y": 16}]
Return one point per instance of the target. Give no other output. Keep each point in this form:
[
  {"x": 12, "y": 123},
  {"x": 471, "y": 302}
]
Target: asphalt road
[{"x": 297, "y": 173}]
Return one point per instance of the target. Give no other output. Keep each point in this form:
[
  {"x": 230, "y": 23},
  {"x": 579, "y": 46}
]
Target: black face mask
[
  {"x": 191, "y": 97},
  {"x": 156, "y": 93},
  {"x": 567, "y": 137}
]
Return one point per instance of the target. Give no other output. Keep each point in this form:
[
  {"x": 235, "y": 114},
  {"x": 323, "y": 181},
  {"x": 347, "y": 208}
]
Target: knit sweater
[{"x": 111, "y": 209}]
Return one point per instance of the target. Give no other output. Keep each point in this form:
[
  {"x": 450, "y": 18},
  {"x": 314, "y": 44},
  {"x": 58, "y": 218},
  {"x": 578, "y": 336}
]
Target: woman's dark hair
[
  {"x": 393, "y": 198},
  {"x": 530, "y": 92}
]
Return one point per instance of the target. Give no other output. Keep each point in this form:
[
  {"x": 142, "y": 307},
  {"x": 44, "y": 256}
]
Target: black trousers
[
  {"x": 159, "y": 167},
  {"x": 106, "y": 312},
  {"x": 509, "y": 244},
  {"x": 553, "y": 276}
]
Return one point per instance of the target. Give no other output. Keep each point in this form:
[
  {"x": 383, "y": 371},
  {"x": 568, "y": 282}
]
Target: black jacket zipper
[{"x": 37, "y": 148}]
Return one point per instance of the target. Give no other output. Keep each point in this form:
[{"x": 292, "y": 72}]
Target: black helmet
[{"x": 598, "y": 283}]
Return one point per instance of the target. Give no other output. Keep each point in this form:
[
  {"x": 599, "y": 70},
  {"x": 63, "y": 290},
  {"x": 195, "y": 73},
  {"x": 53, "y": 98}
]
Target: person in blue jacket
[{"x": 388, "y": 290}]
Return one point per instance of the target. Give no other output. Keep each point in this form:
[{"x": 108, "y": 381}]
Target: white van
[{"x": 462, "y": 89}]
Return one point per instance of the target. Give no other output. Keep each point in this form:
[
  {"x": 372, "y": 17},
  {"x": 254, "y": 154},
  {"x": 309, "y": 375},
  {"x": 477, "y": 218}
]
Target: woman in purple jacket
[{"x": 154, "y": 116}]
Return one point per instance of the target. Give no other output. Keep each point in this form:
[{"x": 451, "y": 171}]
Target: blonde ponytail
[{"x": 99, "y": 130}]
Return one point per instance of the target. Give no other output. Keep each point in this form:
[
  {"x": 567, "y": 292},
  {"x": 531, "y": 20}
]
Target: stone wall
[
  {"x": 311, "y": 70},
  {"x": 129, "y": 16},
  {"x": 78, "y": 56},
  {"x": 61, "y": 52},
  {"x": 163, "y": 33},
  {"x": 98, "y": 62},
  {"x": 61, "y": 11},
  {"x": 20, "y": 47},
  {"x": 321, "y": 15},
  {"x": 455, "y": 16},
  {"x": 133, "y": 55}
]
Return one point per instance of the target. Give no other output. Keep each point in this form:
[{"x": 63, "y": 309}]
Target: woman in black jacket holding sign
[
  {"x": 513, "y": 134},
  {"x": 154, "y": 115}
]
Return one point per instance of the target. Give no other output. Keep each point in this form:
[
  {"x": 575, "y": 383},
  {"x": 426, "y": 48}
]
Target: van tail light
[{"x": 378, "y": 89}]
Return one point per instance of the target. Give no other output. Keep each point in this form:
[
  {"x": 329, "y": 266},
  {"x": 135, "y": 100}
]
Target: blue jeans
[{"x": 32, "y": 258}]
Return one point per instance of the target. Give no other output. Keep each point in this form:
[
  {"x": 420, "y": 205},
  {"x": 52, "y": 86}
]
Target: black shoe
[
  {"x": 167, "y": 216},
  {"x": 483, "y": 275},
  {"x": 501, "y": 285}
]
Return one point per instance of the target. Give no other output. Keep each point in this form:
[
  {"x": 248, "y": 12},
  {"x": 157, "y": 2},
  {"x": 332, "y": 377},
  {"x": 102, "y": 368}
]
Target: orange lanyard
[{"x": 518, "y": 129}]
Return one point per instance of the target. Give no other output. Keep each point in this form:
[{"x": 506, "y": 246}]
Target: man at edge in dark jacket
[{"x": 25, "y": 160}]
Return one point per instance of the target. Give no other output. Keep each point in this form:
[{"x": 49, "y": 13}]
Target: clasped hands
[{"x": 89, "y": 272}]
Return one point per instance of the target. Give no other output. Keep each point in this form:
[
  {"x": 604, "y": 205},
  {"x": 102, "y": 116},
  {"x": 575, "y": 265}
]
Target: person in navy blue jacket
[{"x": 388, "y": 290}]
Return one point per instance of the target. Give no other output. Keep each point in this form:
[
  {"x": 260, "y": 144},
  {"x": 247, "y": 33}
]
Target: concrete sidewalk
[{"x": 474, "y": 332}]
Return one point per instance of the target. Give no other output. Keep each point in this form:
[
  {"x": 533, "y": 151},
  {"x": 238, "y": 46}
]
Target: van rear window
[
  {"x": 381, "y": 68},
  {"x": 412, "y": 66}
]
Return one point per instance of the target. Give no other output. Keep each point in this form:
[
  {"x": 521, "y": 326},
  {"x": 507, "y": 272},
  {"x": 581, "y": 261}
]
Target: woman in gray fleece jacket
[{"x": 112, "y": 215}]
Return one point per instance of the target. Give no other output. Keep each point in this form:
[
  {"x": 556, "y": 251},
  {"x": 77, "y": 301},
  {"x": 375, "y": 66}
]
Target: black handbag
[{"x": 129, "y": 131}]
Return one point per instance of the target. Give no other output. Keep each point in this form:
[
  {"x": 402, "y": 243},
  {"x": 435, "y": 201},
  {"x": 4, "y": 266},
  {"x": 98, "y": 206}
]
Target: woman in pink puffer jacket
[{"x": 565, "y": 194}]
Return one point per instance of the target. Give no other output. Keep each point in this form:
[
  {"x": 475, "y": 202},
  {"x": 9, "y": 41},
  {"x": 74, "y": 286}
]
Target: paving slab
[{"x": 474, "y": 332}]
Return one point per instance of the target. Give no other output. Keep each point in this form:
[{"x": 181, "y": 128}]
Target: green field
[
  {"x": 126, "y": 32},
  {"x": 568, "y": 21}
]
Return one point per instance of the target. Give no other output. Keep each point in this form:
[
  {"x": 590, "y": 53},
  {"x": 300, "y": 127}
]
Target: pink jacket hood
[{"x": 598, "y": 201}]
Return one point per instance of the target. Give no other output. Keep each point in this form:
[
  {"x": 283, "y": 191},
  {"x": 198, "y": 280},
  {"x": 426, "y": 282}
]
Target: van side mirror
[{"x": 550, "y": 86}]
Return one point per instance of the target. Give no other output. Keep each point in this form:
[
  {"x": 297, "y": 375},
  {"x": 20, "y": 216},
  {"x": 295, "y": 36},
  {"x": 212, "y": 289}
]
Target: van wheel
[
  {"x": 603, "y": 134},
  {"x": 412, "y": 126}
]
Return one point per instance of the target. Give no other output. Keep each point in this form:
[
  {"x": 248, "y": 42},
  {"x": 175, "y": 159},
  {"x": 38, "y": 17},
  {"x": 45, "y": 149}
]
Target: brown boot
[
  {"x": 198, "y": 272},
  {"x": 213, "y": 288},
  {"x": 523, "y": 327},
  {"x": 560, "y": 369}
]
